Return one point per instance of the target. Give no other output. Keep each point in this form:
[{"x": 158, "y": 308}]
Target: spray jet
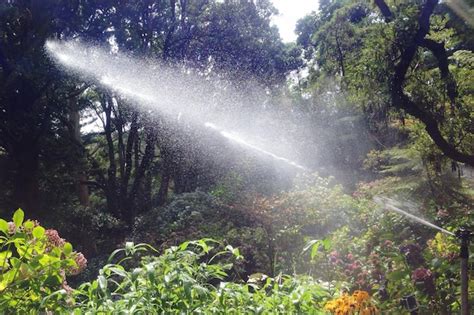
[{"x": 463, "y": 234}]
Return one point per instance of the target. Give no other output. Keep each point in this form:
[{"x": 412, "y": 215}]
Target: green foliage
[
  {"x": 34, "y": 263},
  {"x": 197, "y": 215},
  {"x": 190, "y": 278},
  {"x": 271, "y": 231},
  {"x": 393, "y": 256}
]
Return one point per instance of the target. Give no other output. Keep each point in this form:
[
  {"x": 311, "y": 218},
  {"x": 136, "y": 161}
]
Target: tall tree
[
  {"x": 418, "y": 40},
  {"x": 33, "y": 95},
  {"x": 395, "y": 62},
  {"x": 206, "y": 36}
]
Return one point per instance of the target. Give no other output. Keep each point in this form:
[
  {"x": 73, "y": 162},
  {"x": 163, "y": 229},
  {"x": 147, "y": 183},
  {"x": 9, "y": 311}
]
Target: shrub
[
  {"x": 190, "y": 278},
  {"x": 34, "y": 263}
]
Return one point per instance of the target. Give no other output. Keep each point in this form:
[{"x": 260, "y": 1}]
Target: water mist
[{"x": 182, "y": 93}]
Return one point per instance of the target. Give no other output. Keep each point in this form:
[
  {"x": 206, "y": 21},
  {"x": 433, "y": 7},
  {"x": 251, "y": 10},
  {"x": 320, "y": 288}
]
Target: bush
[
  {"x": 189, "y": 278},
  {"x": 34, "y": 263}
]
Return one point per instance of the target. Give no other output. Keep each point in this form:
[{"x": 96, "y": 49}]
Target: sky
[{"x": 290, "y": 12}]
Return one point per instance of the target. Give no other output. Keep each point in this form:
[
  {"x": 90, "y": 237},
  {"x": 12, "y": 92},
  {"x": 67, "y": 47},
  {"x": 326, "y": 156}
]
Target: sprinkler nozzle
[{"x": 463, "y": 233}]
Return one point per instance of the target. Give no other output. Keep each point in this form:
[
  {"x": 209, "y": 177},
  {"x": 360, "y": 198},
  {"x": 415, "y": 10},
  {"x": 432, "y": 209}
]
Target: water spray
[
  {"x": 238, "y": 139},
  {"x": 389, "y": 204},
  {"x": 463, "y": 234},
  {"x": 134, "y": 79}
]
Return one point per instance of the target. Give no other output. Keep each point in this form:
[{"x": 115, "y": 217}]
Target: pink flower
[
  {"x": 81, "y": 263},
  {"x": 350, "y": 256},
  {"x": 421, "y": 274},
  {"x": 54, "y": 238},
  {"x": 66, "y": 287},
  {"x": 11, "y": 228},
  {"x": 353, "y": 266}
]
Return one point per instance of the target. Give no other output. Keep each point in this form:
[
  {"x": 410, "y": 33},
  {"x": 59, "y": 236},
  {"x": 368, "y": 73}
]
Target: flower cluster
[
  {"x": 424, "y": 280},
  {"x": 351, "y": 267},
  {"x": 421, "y": 274},
  {"x": 81, "y": 263},
  {"x": 413, "y": 255},
  {"x": 54, "y": 239},
  {"x": 357, "y": 303},
  {"x": 11, "y": 228}
]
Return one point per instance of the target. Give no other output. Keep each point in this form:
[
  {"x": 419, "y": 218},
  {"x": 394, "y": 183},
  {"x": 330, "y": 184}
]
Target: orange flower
[{"x": 357, "y": 303}]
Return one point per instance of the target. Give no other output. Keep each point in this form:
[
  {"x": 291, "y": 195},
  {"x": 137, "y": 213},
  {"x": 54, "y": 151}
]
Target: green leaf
[
  {"x": 38, "y": 232},
  {"x": 52, "y": 280},
  {"x": 129, "y": 248},
  {"x": 18, "y": 217},
  {"x": 310, "y": 245},
  {"x": 29, "y": 225},
  {"x": 397, "y": 275},
  {"x": 67, "y": 248},
  {"x": 204, "y": 246},
  {"x": 15, "y": 262},
  {"x": 314, "y": 250},
  {"x": 326, "y": 244},
  {"x": 3, "y": 226},
  {"x": 119, "y": 271},
  {"x": 94, "y": 285},
  {"x": 135, "y": 273},
  {"x": 102, "y": 283},
  {"x": 4, "y": 258}
]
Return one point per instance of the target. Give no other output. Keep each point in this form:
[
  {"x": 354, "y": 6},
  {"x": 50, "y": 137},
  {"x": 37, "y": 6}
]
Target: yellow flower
[{"x": 357, "y": 303}]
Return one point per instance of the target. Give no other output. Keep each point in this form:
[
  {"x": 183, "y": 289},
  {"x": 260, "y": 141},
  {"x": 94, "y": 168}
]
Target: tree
[
  {"x": 400, "y": 99},
  {"x": 34, "y": 98},
  {"x": 232, "y": 40},
  {"x": 396, "y": 64}
]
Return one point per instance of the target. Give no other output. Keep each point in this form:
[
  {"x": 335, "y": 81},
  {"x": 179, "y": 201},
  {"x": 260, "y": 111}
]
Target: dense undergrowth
[
  {"x": 243, "y": 264},
  {"x": 184, "y": 279}
]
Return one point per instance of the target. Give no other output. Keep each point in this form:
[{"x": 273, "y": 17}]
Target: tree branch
[
  {"x": 401, "y": 100},
  {"x": 431, "y": 126},
  {"x": 383, "y": 7},
  {"x": 438, "y": 50}
]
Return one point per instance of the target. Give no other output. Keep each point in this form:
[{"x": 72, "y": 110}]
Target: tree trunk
[
  {"x": 111, "y": 190},
  {"x": 26, "y": 190},
  {"x": 140, "y": 176},
  {"x": 131, "y": 140},
  {"x": 162, "y": 195},
  {"x": 81, "y": 187}
]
